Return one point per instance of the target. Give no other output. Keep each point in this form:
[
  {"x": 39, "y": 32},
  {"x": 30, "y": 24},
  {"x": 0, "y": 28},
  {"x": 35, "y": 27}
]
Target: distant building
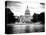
[{"x": 27, "y": 17}]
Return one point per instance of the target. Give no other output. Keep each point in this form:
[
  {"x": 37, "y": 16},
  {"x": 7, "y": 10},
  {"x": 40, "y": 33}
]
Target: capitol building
[{"x": 26, "y": 18}]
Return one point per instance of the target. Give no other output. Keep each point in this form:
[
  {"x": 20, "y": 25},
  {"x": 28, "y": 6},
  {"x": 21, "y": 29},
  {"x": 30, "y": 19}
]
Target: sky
[{"x": 18, "y": 7}]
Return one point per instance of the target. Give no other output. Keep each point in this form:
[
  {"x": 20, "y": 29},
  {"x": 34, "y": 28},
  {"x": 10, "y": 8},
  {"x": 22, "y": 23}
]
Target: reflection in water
[{"x": 28, "y": 28}]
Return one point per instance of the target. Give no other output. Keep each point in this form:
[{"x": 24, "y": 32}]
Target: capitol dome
[{"x": 27, "y": 12}]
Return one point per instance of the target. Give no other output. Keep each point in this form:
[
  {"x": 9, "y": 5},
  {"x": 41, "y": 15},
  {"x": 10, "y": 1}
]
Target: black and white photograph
[{"x": 24, "y": 16}]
